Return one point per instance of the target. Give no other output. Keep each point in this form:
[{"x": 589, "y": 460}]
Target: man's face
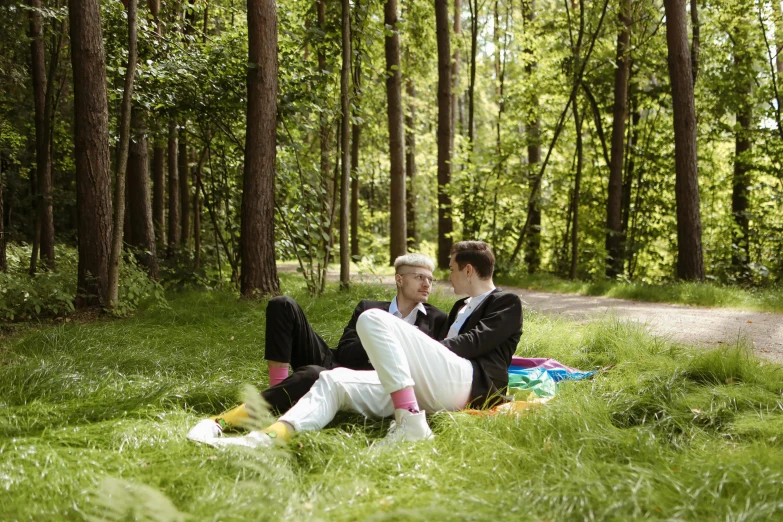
[
  {"x": 458, "y": 278},
  {"x": 414, "y": 283}
]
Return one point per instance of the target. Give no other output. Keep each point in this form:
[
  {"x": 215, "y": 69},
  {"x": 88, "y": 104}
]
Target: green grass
[
  {"x": 94, "y": 417},
  {"x": 698, "y": 294}
]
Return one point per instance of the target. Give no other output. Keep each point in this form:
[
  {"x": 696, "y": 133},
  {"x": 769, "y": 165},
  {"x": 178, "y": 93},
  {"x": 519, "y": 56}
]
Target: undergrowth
[{"x": 94, "y": 418}]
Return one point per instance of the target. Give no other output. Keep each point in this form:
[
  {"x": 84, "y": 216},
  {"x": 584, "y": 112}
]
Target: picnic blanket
[
  {"x": 536, "y": 376},
  {"x": 541, "y": 375}
]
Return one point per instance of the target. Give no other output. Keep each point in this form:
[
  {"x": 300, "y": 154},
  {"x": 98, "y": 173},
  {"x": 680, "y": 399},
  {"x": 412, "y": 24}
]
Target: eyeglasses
[{"x": 421, "y": 277}]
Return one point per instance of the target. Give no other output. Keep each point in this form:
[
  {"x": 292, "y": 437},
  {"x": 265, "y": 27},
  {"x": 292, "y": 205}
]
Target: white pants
[{"x": 403, "y": 356}]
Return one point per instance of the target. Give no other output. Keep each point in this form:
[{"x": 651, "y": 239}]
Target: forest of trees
[{"x": 624, "y": 139}]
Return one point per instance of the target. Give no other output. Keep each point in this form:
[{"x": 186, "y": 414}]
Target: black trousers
[{"x": 291, "y": 339}]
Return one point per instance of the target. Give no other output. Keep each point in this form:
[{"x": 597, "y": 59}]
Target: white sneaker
[
  {"x": 407, "y": 427},
  {"x": 254, "y": 439},
  {"x": 206, "y": 431}
]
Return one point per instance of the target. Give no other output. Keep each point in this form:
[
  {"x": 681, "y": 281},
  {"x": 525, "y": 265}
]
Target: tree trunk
[
  {"x": 259, "y": 272},
  {"x": 778, "y": 25},
  {"x": 325, "y": 131},
  {"x": 3, "y": 261},
  {"x": 398, "y": 244},
  {"x": 690, "y": 264},
  {"x": 42, "y": 88},
  {"x": 410, "y": 166},
  {"x": 470, "y": 194},
  {"x": 740, "y": 248},
  {"x": 533, "y": 243},
  {"x": 445, "y": 127},
  {"x": 184, "y": 189},
  {"x": 577, "y": 193},
  {"x": 455, "y": 61},
  {"x": 142, "y": 235},
  {"x": 696, "y": 40},
  {"x": 356, "y": 131},
  {"x": 197, "y": 216},
  {"x": 159, "y": 192},
  {"x": 345, "y": 148},
  {"x": 91, "y": 151},
  {"x": 174, "y": 215},
  {"x": 615, "y": 241},
  {"x": 122, "y": 160}
]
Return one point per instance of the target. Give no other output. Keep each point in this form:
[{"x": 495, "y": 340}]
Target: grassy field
[
  {"x": 698, "y": 294},
  {"x": 94, "y": 416}
]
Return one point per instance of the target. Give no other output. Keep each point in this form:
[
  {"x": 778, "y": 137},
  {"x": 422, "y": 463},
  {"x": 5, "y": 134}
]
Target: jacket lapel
[{"x": 477, "y": 314}]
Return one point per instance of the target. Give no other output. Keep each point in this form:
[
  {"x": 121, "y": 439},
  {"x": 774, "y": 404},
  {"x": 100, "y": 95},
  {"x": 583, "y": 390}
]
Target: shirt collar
[
  {"x": 479, "y": 298},
  {"x": 393, "y": 308}
]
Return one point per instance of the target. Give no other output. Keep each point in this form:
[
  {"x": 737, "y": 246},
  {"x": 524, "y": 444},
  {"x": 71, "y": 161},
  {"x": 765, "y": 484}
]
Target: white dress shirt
[
  {"x": 471, "y": 303},
  {"x": 411, "y": 318}
]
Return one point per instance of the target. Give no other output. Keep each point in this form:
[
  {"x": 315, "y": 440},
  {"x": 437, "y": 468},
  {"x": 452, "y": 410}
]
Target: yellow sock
[
  {"x": 279, "y": 430},
  {"x": 234, "y": 418}
]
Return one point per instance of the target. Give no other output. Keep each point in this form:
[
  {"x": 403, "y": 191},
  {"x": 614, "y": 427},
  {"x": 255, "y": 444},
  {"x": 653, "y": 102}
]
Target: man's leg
[
  {"x": 414, "y": 368},
  {"x": 282, "y": 396},
  {"x": 336, "y": 390},
  {"x": 290, "y": 340}
]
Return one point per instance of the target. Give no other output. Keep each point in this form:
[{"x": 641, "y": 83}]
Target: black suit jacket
[
  {"x": 350, "y": 352},
  {"x": 488, "y": 339}
]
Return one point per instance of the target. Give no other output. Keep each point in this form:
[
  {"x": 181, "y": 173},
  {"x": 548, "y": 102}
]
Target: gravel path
[{"x": 709, "y": 327}]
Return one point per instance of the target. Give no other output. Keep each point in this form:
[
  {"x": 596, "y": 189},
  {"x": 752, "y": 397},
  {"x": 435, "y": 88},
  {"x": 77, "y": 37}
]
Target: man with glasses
[
  {"x": 469, "y": 367},
  {"x": 292, "y": 343}
]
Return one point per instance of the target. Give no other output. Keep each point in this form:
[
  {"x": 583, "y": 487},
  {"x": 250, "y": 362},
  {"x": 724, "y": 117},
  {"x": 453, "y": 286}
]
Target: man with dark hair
[
  {"x": 291, "y": 342},
  {"x": 469, "y": 367}
]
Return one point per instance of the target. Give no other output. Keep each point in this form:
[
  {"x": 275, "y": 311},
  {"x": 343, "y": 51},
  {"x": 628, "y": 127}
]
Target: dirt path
[{"x": 710, "y": 327}]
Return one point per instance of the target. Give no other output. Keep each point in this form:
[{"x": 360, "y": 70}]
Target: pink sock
[
  {"x": 277, "y": 375},
  {"x": 405, "y": 399}
]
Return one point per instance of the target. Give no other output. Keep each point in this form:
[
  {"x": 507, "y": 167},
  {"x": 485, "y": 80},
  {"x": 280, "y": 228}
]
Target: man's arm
[{"x": 501, "y": 319}]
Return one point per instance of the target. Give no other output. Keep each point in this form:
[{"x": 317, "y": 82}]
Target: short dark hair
[{"x": 476, "y": 253}]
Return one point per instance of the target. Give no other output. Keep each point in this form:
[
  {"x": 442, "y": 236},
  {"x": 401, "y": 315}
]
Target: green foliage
[
  {"x": 51, "y": 294},
  {"x": 96, "y": 416}
]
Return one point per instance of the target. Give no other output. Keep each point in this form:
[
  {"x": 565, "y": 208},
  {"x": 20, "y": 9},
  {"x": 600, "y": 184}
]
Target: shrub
[{"x": 51, "y": 294}]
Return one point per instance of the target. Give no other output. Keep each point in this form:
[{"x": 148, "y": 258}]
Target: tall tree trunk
[
  {"x": 696, "y": 40},
  {"x": 533, "y": 243},
  {"x": 174, "y": 214},
  {"x": 577, "y": 194},
  {"x": 184, "y": 189},
  {"x": 345, "y": 147},
  {"x": 740, "y": 247},
  {"x": 398, "y": 244},
  {"x": 356, "y": 131},
  {"x": 259, "y": 272},
  {"x": 159, "y": 192},
  {"x": 778, "y": 25},
  {"x": 410, "y": 165},
  {"x": 3, "y": 259},
  {"x": 445, "y": 128},
  {"x": 122, "y": 160},
  {"x": 690, "y": 263},
  {"x": 91, "y": 151},
  {"x": 325, "y": 131},
  {"x": 615, "y": 241},
  {"x": 142, "y": 235},
  {"x": 197, "y": 214},
  {"x": 42, "y": 88},
  {"x": 470, "y": 193},
  {"x": 455, "y": 62}
]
